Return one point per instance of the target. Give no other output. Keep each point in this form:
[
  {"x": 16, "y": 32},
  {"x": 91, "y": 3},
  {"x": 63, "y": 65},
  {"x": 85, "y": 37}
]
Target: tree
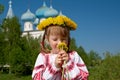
[
  {"x": 12, "y": 33},
  {"x": 109, "y": 69},
  {"x": 2, "y": 45},
  {"x": 72, "y": 44},
  {"x": 94, "y": 58},
  {"x": 12, "y": 30},
  {"x": 20, "y": 52},
  {"x": 83, "y": 54},
  {"x": 1, "y": 8},
  {"x": 30, "y": 49}
]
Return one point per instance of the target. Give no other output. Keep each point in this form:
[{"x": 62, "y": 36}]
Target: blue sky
[{"x": 98, "y": 20}]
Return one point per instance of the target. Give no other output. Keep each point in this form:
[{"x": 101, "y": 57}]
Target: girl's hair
[{"x": 54, "y": 30}]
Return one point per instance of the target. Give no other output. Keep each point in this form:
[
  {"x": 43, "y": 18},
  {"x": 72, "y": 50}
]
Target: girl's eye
[
  {"x": 64, "y": 39},
  {"x": 55, "y": 39}
]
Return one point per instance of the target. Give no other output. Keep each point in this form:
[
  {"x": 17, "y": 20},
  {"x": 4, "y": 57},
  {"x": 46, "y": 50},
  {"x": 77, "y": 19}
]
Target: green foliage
[
  {"x": 1, "y": 49},
  {"x": 73, "y": 45},
  {"x": 13, "y": 77},
  {"x": 94, "y": 59},
  {"x": 21, "y": 52},
  {"x": 109, "y": 69},
  {"x": 18, "y": 52},
  {"x": 83, "y": 55},
  {"x": 80, "y": 51},
  {"x": 1, "y": 8},
  {"x": 12, "y": 30},
  {"x": 24, "y": 56}
]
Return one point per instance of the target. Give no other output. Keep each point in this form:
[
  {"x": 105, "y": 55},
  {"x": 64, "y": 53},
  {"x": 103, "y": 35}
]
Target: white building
[{"x": 30, "y": 19}]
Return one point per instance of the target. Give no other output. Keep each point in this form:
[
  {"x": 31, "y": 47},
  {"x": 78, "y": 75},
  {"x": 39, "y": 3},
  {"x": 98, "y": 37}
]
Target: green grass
[{"x": 13, "y": 77}]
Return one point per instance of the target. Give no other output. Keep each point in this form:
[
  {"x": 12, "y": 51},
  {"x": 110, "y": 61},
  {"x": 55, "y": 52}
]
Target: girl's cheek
[{"x": 54, "y": 46}]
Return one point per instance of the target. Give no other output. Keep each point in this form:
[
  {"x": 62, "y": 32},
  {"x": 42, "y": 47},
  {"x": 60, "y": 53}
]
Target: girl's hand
[
  {"x": 58, "y": 61},
  {"x": 61, "y": 57},
  {"x": 64, "y": 55}
]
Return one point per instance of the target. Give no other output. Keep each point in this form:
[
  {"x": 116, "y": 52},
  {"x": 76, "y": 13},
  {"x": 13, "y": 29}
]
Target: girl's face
[
  {"x": 54, "y": 40},
  {"x": 55, "y": 35}
]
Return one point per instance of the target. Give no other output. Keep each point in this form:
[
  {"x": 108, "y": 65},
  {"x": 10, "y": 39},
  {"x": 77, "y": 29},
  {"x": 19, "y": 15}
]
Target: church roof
[
  {"x": 10, "y": 13},
  {"x": 40, "y": 12},
  {"x": 28, "y": 16},
  {"x": 51, "y": 12},
  {"x": 36, "y": 21}
]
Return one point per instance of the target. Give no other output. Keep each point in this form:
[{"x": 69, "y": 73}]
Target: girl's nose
[{"x": 59, "y": 41}]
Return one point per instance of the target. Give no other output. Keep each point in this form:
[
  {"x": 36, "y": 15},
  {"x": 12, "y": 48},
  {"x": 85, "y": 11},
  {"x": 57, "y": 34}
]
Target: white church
[{"x": 30, "y": 19}]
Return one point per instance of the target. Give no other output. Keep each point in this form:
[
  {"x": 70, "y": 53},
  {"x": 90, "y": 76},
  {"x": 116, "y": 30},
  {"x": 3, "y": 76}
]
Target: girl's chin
[{"x": 55, "y": 51}]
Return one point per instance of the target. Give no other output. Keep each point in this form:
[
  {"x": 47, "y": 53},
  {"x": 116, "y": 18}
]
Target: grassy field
[{"x": 13, "y": 77}]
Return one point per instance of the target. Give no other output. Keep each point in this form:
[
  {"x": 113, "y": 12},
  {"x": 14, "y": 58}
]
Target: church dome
[
  {"x": 28, "y": 16},
  {"x": 40, "y": 12},
  {"x": 51, "y": 12},
  {"x": 36, "y": 21}
]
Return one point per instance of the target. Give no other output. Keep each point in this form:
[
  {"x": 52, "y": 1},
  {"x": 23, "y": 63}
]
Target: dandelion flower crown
[{"x": 60, "y": 20}]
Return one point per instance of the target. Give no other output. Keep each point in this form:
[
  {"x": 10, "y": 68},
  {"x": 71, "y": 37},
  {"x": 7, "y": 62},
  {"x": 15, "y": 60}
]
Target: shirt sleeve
[
  {"x": 51, "y": 70},
  {"x": 38, "y": 68},
  {"x": 75, "y": 68},
  {"x": 44, "y": 70}
]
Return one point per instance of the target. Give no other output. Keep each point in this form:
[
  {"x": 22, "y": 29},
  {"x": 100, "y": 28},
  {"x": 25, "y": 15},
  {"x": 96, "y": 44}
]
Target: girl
[{"x": 49, "y": 63}]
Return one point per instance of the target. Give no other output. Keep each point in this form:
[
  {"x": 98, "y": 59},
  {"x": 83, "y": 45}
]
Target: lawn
[{"x": 13, "y": 77}]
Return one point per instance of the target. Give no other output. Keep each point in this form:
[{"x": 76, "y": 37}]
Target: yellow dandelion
[
  {"x": 62, "y": 46},
  {"x": 59, "y": 20}
]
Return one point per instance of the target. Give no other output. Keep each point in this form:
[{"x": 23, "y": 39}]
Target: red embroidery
[
  {"x": 37, "y": 76},
  {"x": 82, "y": 75},
  {"x": 47, "y": 59},
  {"x": 71, "y": 66},
  {"x": 38, "y": 67},
  {"x": 72, "y": 52},
  {"x": 51, "y": 70},
  {"x": 80, "y": 65}
]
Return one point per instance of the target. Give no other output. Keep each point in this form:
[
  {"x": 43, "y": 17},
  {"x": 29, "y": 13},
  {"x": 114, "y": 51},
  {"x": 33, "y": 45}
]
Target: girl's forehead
[
  {"x": 57, "y": 36},
  {"x": 57, "y": 31}
]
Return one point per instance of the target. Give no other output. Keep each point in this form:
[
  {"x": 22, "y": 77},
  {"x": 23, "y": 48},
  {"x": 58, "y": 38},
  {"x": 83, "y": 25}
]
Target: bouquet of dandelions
[{"x": 63, "y": 46}]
